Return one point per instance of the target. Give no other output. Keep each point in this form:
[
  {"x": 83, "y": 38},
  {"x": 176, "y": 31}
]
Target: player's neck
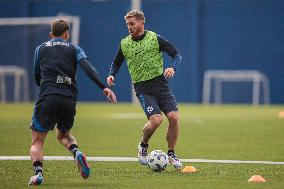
[
  {"x": 141, "y": 33},
  {"x": 140, "y": 36}
]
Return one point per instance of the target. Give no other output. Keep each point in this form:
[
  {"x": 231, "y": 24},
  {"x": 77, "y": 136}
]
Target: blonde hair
[{"x": 139, "y": 15}]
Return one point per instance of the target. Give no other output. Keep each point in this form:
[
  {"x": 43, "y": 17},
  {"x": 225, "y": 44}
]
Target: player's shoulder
[
  {"x": 125, "y": 39},
  {"x": 78, "y": 48},
  {"x": 151, "y": 32},
  {"x": 80, "y": 53},
  {"x": 39, "y": 47}
]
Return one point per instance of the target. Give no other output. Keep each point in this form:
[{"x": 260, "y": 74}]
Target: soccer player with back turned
[
  {"x": 142, "y": 50},
  {"x": 55, "y": 66}
]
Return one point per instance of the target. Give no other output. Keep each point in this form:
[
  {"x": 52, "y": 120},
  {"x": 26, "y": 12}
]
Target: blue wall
[
  {"x": 245, "y": 35},
  {"x": 211, "y": 34}
]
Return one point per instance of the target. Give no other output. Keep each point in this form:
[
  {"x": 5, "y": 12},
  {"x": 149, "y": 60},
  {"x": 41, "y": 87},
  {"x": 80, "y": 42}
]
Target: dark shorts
[
  {"x": 154, "y": 103},
  {"x": 53, "y": 110}
]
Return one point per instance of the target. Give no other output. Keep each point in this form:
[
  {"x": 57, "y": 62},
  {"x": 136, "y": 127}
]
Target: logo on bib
[{"x": 150, "y": 109}]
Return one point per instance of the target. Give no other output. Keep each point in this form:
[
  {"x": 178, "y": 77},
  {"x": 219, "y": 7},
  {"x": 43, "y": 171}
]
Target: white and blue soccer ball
[{"x": 158, "y": 160}]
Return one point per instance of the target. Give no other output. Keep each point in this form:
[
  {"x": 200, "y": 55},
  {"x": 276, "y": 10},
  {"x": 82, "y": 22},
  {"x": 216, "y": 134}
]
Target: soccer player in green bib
[{"x": 142, "y": 50}]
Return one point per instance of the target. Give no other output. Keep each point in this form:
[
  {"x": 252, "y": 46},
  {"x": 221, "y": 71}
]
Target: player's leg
[
  {"x": 168, "y": 105},
  {"x": 150, "y": 127},
  {"x": 37, "y": 156},
  {"x": 173, "y": 129},
  {"x": 42, "y": 122},
  {"x": 70, "y": 143},
  {"x": 37, "y": 145},
  {"x": 65, "y": 120},
  {"x": 172, "y": 137},
  {"x": 153, "y": 113},
  {"x": 65, "y": 138}
]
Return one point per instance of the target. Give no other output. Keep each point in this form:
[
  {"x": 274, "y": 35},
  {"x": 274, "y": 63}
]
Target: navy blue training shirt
[{"x": 55, "y": 66}]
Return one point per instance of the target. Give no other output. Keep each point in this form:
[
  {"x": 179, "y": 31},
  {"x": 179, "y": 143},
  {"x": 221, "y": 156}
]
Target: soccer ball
[{"x": 157, "y": 160}]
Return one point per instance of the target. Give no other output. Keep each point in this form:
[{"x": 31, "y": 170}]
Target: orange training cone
[
  {"x": 256, "y": 178},
  {"x": 188, "y": 169},
  {"x": 281, "y": 115}
]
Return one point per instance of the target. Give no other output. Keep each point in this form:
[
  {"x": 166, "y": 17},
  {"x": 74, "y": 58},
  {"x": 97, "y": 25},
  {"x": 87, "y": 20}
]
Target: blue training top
[{"x": 55, "y": 66}]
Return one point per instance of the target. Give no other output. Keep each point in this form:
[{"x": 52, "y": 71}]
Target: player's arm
[
  {"x": 36, "y": 69},
  {"x": 115, "y": 66},
  {"x": 93, "y": 74},
  {"x": 172, "y": 51}
]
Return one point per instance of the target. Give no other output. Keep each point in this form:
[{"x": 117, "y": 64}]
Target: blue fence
[{"x": 211, "y": 34}]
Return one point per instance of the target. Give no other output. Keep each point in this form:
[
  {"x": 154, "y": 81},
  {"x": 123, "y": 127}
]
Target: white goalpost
[
  {"x": 19, "y": 37},
  {"x": 215, "y": 78},
  {"x": 73, "y": 20}
]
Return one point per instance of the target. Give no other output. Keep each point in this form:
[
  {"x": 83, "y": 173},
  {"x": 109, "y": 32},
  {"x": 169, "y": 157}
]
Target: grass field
[{"x": 225, "y": 132}]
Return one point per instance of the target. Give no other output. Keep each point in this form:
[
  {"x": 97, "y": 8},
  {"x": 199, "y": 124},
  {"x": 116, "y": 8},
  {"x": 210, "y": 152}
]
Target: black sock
[
  {"x": 73, "y": 148},
  {"x": 37, "y": 167},
  {"x": 144, "y": 145},
  {"x": 171, "y": 152}
]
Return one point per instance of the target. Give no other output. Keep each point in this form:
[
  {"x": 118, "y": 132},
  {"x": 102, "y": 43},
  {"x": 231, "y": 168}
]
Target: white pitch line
[{"x": 128, "y": 159}]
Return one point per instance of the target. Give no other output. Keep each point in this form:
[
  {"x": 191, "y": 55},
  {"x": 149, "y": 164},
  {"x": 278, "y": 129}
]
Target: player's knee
[
  {"x": 60, "y": 136},
  {"x": 35, "y": 147},
  {"x": 37, "y": 141},
  {"x": 156, "y": 120},
  {"x": 173, "y": 117}
]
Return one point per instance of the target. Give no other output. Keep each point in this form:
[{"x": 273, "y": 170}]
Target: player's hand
[
  {"x": 110, "y": 95},
  {"x": 169, "y": 72},
  {"x": 110, "y": 81}
]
